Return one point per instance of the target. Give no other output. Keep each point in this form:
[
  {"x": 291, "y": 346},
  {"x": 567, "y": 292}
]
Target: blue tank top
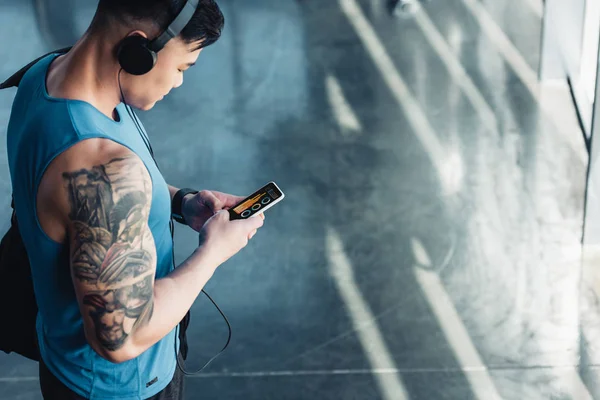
[{"x": 40, "y": 129}]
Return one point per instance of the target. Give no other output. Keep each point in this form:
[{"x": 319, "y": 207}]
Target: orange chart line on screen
[{"x": 247, "y": 203}]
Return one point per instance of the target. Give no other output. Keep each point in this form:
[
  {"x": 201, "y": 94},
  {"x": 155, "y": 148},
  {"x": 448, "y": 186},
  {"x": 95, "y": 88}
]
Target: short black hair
[{"x": 204, "y": 28}]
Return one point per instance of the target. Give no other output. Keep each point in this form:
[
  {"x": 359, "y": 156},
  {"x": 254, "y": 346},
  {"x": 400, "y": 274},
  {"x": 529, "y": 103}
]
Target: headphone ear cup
[{"x": 134, "y": 55}]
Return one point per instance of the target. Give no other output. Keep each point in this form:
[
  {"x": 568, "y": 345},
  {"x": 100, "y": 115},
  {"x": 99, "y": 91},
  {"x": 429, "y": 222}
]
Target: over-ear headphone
[{"x": 137, "y": 54}]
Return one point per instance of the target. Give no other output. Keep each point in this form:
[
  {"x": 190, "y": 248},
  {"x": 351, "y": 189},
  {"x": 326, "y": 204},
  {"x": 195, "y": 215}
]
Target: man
[{"x": 94, "y": 210}]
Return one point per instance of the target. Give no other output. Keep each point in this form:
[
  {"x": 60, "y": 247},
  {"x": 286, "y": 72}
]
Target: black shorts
[{"x": 53, "y": 389}]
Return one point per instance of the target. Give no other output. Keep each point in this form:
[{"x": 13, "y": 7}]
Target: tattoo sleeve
[{"x": 112, "y": 249}]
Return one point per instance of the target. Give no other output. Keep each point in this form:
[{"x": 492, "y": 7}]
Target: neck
[{"x": 84, "y": 74}]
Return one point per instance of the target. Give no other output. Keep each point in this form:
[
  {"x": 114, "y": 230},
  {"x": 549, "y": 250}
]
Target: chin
[{"x": 148, "y": 107}]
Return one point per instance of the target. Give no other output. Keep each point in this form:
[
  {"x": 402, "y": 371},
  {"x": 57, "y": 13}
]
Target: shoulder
[
  {"x": 92, "y": 152},
  {"x": 88, "y": 167}
]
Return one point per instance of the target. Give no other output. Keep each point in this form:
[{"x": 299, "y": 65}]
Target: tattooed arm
[
  {"x": 103, "y": 214},
  {"x": 113, "y": 256}
]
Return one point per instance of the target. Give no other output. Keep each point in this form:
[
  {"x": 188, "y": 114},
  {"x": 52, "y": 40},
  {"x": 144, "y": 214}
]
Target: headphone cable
[{"x": 146, "y": 141}]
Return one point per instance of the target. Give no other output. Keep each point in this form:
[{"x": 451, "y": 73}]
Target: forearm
[{"x": 173, "y": 296}]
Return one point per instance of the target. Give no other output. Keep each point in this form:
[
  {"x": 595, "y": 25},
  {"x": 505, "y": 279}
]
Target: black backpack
[
  {"x": 18, "y": 334},
  {"x": 16, "y": 293}
]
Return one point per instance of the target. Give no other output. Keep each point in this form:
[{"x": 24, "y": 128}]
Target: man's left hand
[{"x": 199, "y": 208}]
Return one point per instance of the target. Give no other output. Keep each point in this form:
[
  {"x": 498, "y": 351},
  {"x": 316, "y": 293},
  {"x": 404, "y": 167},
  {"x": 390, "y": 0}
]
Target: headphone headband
[{"x": 176, "y": 27}]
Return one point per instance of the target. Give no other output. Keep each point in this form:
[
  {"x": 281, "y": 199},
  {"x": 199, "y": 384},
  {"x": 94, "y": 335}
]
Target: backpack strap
[{"x": 14, "y": 80}]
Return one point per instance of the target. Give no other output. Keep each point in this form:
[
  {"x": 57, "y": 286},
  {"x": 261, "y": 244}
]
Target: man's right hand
[{"x": 222, "y": 238}]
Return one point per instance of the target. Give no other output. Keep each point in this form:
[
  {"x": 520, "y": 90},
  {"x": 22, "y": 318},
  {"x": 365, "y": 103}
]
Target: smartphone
[{"x": 258, "y": 202}]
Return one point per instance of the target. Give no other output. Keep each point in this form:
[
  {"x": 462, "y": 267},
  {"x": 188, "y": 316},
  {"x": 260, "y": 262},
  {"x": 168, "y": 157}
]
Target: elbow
[
  {"x": 126, "y": 350},
  {"x": 120, "y": 356},
  {"x": 117, "y": 357}
]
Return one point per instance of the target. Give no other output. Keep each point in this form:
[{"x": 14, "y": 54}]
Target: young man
[{"x": 94, "y": 209}]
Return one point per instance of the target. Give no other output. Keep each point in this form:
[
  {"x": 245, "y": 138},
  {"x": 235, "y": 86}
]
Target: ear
[{"x": 138, "y": 33}]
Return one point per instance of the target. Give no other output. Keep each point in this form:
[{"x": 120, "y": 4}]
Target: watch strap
[{"x": 177, "y": 204}]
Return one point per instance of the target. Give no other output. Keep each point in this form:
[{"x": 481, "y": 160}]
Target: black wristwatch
[{"x": 177, "y": 204}]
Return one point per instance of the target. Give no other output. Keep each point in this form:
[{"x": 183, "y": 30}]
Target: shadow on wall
[{"x": 62, "y": 22}]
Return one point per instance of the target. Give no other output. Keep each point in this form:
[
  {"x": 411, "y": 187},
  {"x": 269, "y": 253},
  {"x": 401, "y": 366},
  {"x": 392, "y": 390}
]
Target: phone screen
[{"x": 258, "y": 202}]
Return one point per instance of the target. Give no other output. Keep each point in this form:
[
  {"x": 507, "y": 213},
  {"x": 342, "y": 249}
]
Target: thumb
[
  {"x": 255, "y": 222},
  {"x": 224, "y": 214},
  {"x": 211, "y": 201}
]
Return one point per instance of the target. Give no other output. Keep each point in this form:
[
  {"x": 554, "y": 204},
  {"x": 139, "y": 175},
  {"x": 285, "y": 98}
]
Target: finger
[
  {"x": 257, "y": 223},
  {"x": 233, "y": 200},
  {"x": 251, "y": 235},
  {"x": 251, "y": 223},
  {"x": 211, "y": 201},
  {"x": 223, "y": 214},
  {"x": 228, "y": 200}
]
